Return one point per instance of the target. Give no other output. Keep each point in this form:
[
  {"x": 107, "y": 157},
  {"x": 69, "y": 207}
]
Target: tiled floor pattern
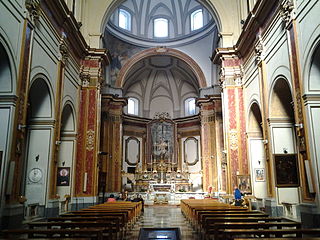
[{"x": 163, "y": 216}]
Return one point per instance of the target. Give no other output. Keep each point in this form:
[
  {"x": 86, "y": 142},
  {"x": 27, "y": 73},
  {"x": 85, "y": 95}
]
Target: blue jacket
[{"x": 237, "y": 194}]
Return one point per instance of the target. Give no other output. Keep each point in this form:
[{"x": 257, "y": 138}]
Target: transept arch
[{"x": 161, "y": 52}]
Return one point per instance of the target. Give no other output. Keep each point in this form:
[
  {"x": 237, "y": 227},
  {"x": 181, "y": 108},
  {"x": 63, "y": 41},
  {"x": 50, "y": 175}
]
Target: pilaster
[
  {"x": 260, "y": 62},
  {"x": 112, "y": 109},
  {"x": 208, "y": 107},
  {"x": 307, "y": 182},
  {"x": 19, "y": 134},
  {"x": 58, "y": 112}
]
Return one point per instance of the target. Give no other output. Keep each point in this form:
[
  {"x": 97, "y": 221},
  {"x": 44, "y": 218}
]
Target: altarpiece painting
[{"x": 161, "y": 139}]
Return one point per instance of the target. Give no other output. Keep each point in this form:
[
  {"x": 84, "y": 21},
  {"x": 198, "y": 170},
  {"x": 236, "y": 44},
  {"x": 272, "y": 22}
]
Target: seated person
[
  {"x": 111, "y": 198},
  {"x": 237, "y": 197},
  {"x": 139, "y": 199},
  {"x": 120, "y": 197}
]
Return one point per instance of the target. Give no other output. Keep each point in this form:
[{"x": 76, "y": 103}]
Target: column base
[
  {"x": 13, "y": 216},
  {"x": 272, "y": 208},
  {"x": 310, "y": 215},
  {"x": 78, "y": 203}
]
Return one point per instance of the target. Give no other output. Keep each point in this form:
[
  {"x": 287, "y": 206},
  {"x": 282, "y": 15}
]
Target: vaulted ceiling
[{"x": 161, "y": 83}]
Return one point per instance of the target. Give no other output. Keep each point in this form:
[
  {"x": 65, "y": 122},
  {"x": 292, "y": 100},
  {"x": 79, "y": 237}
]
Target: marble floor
[{"x": 162, "y": 217}]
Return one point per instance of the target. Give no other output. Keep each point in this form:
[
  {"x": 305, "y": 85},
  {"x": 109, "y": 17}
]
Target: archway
[
  {"x": 161, "y": 84},
  {"x": 257, "y": 152},
  {"x": 284, "y": 142},
  {"x": 161, "y": 52},
  {"x": 7, "y": 108},
  {"x": 66, "y": 156},
  {"x": 39, "y": 133},
  {"x": 313, "y": 110}
]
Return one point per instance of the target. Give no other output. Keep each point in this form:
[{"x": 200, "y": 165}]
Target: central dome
[{"x": 150, "y": 22}]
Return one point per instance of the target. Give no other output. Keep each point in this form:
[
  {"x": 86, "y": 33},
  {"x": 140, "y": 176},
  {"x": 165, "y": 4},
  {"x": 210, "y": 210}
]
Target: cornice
[
  {"x": 255, "y": 23},
  {"x": 114, "y": 99},
  {"x": 66, "y": 25},
  {"x": 221, "y": 52},
  {"x": 102, "y": 53},
  {"x": 208, "y": 99}
]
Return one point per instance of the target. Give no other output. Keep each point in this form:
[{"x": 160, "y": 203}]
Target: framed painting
[
  {"x": 63, "y": 178},
  {"x": 244, "y": 183},
  {"x": 259, "y": 174},
  {"x": 161, "y": 139},
  {"x": 287, "y": 174}
]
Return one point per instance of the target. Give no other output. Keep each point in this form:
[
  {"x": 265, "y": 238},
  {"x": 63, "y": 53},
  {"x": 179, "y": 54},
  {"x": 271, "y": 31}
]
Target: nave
[{"x": 163, "y": 216}]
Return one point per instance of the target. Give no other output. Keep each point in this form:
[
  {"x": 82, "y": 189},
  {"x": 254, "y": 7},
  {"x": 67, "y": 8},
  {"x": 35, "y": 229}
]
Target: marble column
[
  {"x": 235, "y": 150},
  {"x": 86, "y": 182}
]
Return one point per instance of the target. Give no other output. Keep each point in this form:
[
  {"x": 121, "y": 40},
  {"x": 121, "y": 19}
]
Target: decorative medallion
[
  {"x": 233, "y": 139},
  {"x": 35, "y": 175},
  {"x": 90, "y": 140}
]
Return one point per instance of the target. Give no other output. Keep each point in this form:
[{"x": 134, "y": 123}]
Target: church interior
[{"x": 171, "y": 101}]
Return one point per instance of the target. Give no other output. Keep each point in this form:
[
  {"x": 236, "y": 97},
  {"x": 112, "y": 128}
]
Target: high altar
[
  {"x": 161, "y": 172},
  {"x": 172, "y": 155}
]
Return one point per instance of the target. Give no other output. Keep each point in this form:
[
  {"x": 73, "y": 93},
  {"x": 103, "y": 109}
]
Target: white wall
[
  {"x": 38, "y": 147},
  {"x": 258, "y": 162}
]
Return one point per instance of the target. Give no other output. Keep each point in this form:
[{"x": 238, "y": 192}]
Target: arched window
[
  {"x": 190, "y": 106},
  {"x": 124, "y": 19},
  {"x": 133, "y": 106},
  {"x": 160, "y": 27},
  {"x": 196, "y": 20}
]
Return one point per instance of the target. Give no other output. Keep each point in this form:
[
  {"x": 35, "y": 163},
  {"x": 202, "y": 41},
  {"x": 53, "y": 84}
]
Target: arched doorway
[
  {"x": 257, "y": 152},
  {"x": 39, "y": 134},
  {"x": 313, "y": 112},
  {"x": 283, "y": 139},
  {"x": 7, "y": 109},
  {"x": 66, "y": 156}
]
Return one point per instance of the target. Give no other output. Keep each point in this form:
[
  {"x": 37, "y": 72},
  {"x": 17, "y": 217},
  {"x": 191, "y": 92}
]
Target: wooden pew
[
  {"x": 210, "y": 221},
  {"x": 279, "y": 233},
  {"x": 91, "y": 233},
  {"x": 211, "y": 216},
  {"x": 305, "y": 238},
  {"x": 110, "y": 228},
  {"x": 218, "y": 227},
  {"x": 120, "y": 225}
]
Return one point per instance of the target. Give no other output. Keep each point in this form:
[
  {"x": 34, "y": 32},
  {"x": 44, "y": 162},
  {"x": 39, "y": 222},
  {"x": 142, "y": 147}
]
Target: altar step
[{"x": 162, "y": 217}]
